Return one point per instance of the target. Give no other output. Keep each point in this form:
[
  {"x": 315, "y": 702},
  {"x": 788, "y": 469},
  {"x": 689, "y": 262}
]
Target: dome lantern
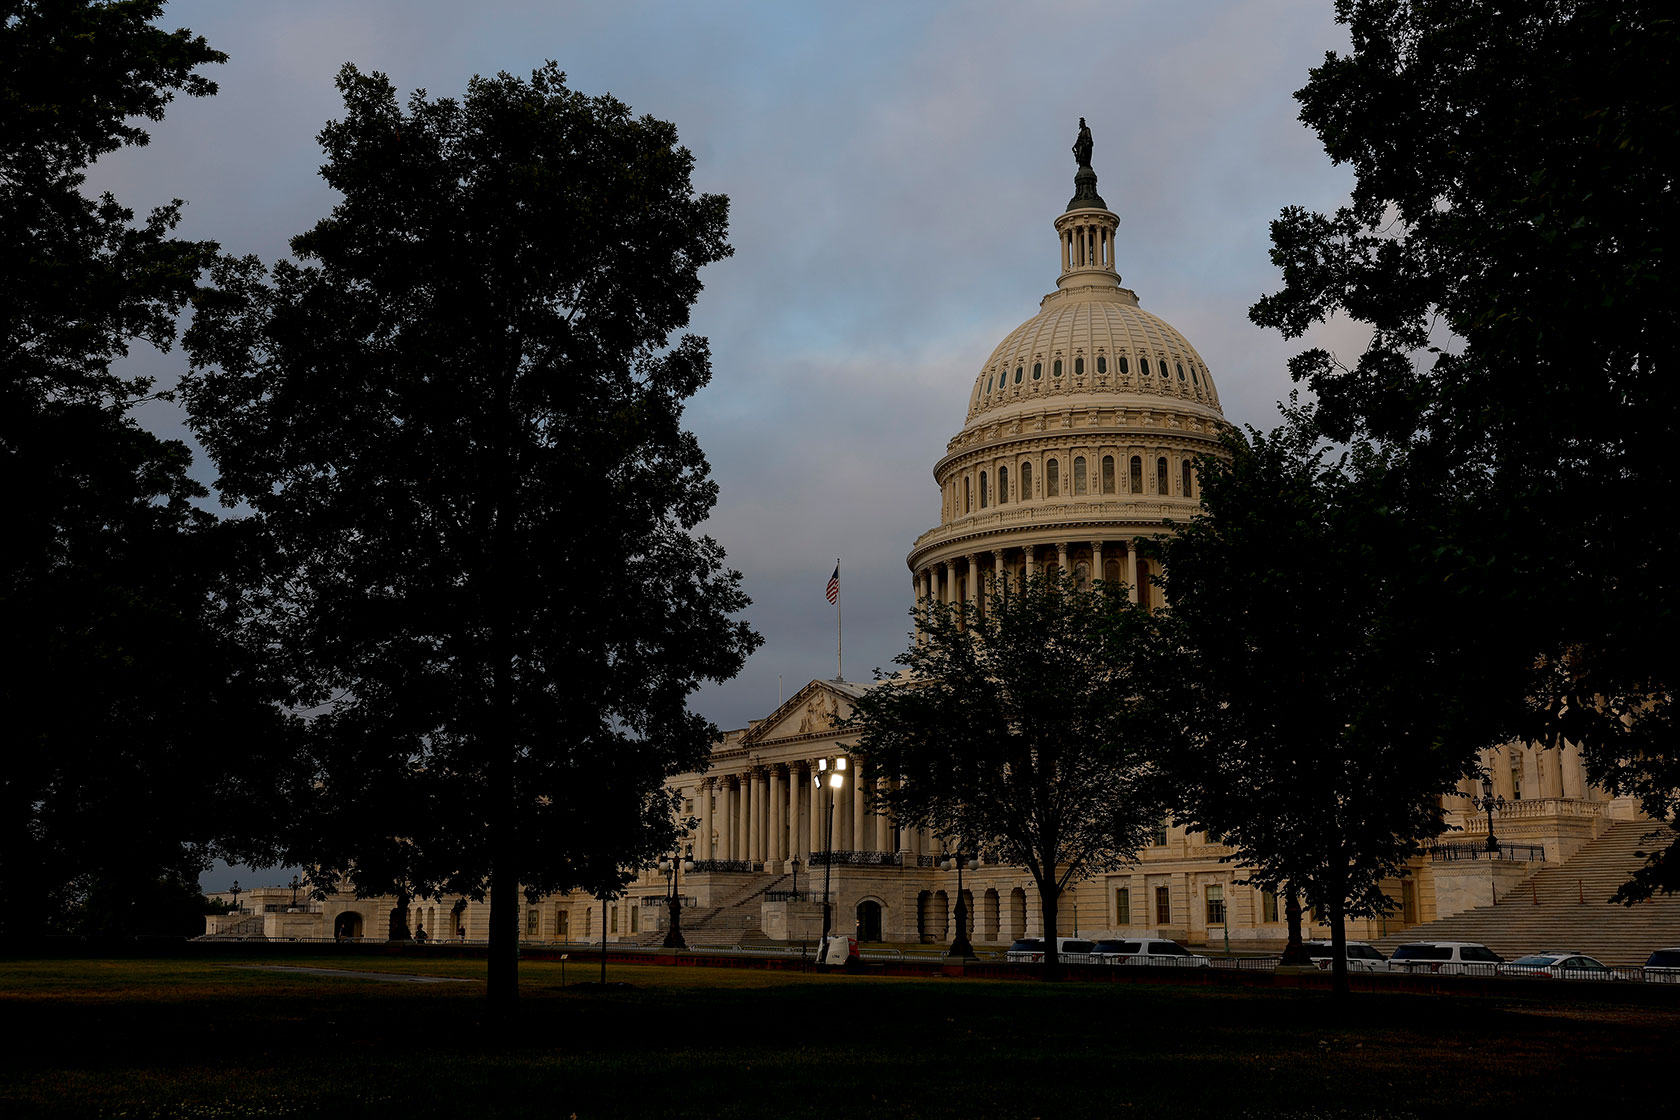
[{"x": 1086, "y": 229}]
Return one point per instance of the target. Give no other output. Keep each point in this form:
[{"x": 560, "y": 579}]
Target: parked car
[
  {"x": 1557, "y": 966},
  {"x": 1071, "y": 950},
  {"x": 1663, "y": 966},
  {"x": 1361, "y": 956},
  {"x": 1445, "y": 958},
  {"x": 1148, "y": 951}
]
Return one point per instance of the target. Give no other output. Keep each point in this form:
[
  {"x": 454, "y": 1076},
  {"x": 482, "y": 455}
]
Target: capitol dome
[{"x": 1082, "y": 430}]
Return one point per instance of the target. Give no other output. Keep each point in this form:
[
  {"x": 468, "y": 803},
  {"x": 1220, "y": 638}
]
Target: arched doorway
[
  {"x": 347, "y": 926},
  {"x": 1017, "y": 914},
  {"x": 869, "y": 920},
  {"x": 924, "y": 916},
  {"x": 989, "y": 916}
]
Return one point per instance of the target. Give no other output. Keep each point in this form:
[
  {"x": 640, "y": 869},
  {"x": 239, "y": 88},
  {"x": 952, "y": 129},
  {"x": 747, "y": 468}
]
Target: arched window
[
  {"x": 1143, "y": 366},
  {"x": 982, "y": 489},
  {"x": 988, "y": 384},
  {"x": 1102, "y": 363},
  {"x": 1079, "y": 475},
  {"x": 1184, "y": 470},
  {"x": 1017, "y": 375},
  {"x": 968, "y": 495},
  {"x": 1052, "y": 479},
  {"x": 1081, "y": 575},
  {"x": 1056, "y": 370},
  {"x": 1125, "y": 366},
  {"x": 1161, "y": 475},
  {"x": 1079, "y": 365},
  {"x": 1161, "y": 364},
  {"x": 1003, "y": 485},
  {"x": 1180, "y": 367},
  {"x": 1026, "y": 481},
  {"x": 1038, "y": 370},
  {"x": 1137, "y": 474},
  {"x": 1193, "y": 380},
  {"x": 1108, "y": 474}
]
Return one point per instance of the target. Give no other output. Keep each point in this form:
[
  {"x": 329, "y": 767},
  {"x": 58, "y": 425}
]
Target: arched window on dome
[
  {"x": 988, "y": 384},
  {"x": 1079, "y": 366},
  {"x": 1161, "y": 364},
  {"x": 982, "y": 489},
  {"x": 968, "y": 495},
  {"x": 1125, "y": 366},
  {"x": 1108, "y": 474},
  {"x": 1003, "y": 485},
  {"x": 1137, "y": 474},
  {"x": 1161, "y": 475},
  {"x": 1056, "y": 370},
  {"x": 1079, "y": 475},
  {"x": 1026, "y": 480},
  {"x": 1180, "y": 367},
  {"x": 1102, "y": 363},
  {"x": 1143, "y": 366},
  {"x": 1193, "y": 380},
  {"x": 1052, "y": 479},
  {"x": 1184, "y": 471},
  {"x": 1017, "y": 375},
  {"x": 1038, "y": 370}
]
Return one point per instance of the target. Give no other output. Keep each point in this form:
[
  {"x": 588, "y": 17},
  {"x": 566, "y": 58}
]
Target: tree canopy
[
  {"x": 457, "y": 417},
  {"x": 144, "y": 742},
  {"x": 1015, "y": 733},
  {"x": 1511, "y": 241},
  {"x": 1300, "y": 637}
]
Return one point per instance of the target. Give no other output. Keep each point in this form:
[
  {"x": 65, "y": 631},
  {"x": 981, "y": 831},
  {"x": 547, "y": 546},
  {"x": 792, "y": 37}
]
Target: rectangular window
[
  {"x": 635, "y": 919},
  {"x": 1158, "y": 838},
  {"x": 1215, "y": 893},
  {"x": 1079, "y": 475},
  {"x": 1108, "y": 474},
  {"x": 1122, "y": 906},
  {"x": 1163, "y": 906},
  {"x": 532, "y": 921},
  {"x": 1268, "y": 906},
  {"x": 565, "y": 923},
  {"x": 1052, "y": 479},
  {"x": 614, "y": 920}
]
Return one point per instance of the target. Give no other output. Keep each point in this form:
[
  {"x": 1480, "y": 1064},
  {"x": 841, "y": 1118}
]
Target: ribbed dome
[{"x": 1105, "y": 346}]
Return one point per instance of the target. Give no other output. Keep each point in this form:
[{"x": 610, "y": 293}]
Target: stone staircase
[
  {"x": 733, "y": 921},
  {"x": 1566, "y": 906},
  {"x": 249, "y": 928}
]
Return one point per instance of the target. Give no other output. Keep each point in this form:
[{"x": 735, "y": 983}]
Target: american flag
[{"x": 834, "y": 584}]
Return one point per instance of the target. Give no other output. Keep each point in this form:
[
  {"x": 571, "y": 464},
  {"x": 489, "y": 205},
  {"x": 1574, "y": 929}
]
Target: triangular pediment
[{"x": 809, "y": 713}]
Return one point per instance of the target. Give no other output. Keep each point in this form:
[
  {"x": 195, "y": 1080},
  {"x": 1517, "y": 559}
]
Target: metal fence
[
  {"x": 1449, "y": 853},
  {"x": 727, "y": 865},
  {"x": 856, "y": 859}
]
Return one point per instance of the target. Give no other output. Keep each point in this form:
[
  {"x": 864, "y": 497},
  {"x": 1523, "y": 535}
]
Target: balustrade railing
[
  {"x": 1450, "y": 853},
  {"x": 665, "y": 900},
  {"x": 855, "y": 859},
  {"x": 793, "y": 896},
  {"x": 727, "y": 865}
]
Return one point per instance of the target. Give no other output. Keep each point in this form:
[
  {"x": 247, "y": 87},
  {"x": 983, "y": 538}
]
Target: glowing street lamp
[
  {"x": 673, "y": 866},
  {"x": 832, "y": 773}
]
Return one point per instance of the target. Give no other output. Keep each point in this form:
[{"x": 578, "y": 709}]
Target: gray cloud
[{"x": 893, "y": 171}]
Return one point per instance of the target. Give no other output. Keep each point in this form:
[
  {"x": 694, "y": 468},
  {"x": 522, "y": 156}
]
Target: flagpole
[{"x": 839, "y": 633}]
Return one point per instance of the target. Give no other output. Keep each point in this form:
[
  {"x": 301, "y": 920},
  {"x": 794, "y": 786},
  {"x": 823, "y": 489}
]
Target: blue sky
[{"x": 893, "y": 170}]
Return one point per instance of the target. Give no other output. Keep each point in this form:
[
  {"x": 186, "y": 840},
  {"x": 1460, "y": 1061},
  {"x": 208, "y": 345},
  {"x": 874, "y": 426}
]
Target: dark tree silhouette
[
  {"x": 1299, "y": 639},
  {"x": 140, "y": 742},
  {"x": 459, "y": 426},
  {"x": 1016, "y": 729},
  {"x": 1511, "y": 240}
]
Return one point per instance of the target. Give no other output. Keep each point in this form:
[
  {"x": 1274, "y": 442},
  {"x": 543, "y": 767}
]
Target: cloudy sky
[{"x": 893, "y": 171}]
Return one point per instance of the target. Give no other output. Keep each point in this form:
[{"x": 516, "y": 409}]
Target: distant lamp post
[
  {"x": 832, "y": 773},
  {"x": 1490, "y": 804},
  {"x": 672, "y": 867},
  {"x": 235, "y": 893},
  {"x": 959, "y": 944},
  {"x": 296, "y": 883},
  {"x": 793, "y": 865}
]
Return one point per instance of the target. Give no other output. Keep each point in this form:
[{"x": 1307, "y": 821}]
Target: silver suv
[
  {"x": 1361, "y": 957},
  {"x": 1445, "y": 958},
  {"x": 1148, "y": 951}
]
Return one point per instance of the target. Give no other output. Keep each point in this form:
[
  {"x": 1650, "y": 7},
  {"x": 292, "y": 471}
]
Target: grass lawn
[{"x": 189, "y": 1038}]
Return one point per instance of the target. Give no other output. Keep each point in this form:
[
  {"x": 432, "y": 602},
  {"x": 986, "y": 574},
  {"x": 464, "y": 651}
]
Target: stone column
[
  {"x": 703, "y": 847},
  {"x": 860, "y": 824},
  {"x": 726, "y": 823},
  {"x": 997, "y": 570},
  {"x": 1062, "y": 558},
  {"x": 1132, "y": 571},
  {"x": 778, "y": 817},
  {"x": 883, "y": 824},
  {"x": 1574, "y": 774},
  {"x": 974, "y": 580},
  {"x": 1096, "y": 561},
  {"x": 1030, "y": 560},
  {"x": 1502, "y": 784}
]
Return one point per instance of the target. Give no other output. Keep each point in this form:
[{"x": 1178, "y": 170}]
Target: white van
[
  {"x": 1070, "y": 950},
  {"x": 1445, "y": 958}
]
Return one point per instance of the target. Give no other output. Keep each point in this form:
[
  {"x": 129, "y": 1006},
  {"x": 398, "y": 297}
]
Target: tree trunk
[
  {"x": 1338, "y": 948},
  {"x": 1047, "y": 905},
  {"x": 502, "y": 982}
]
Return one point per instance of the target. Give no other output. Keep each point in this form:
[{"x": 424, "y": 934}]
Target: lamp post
[
  {"x": 295, "y": 884},
  {"x": 673, "y": 900},
  {"x": 1490, "y": 804},
  {"x": 835, "y": 772},
  {"x": 959, "y": 944},
  {"x": 235, "y": 893}
]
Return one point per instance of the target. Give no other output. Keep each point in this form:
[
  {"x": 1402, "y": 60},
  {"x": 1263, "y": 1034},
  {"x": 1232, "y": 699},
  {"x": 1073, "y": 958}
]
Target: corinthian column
[
  {"x": 778, "y": 816},
  {"x": 703, "y": 847}
]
